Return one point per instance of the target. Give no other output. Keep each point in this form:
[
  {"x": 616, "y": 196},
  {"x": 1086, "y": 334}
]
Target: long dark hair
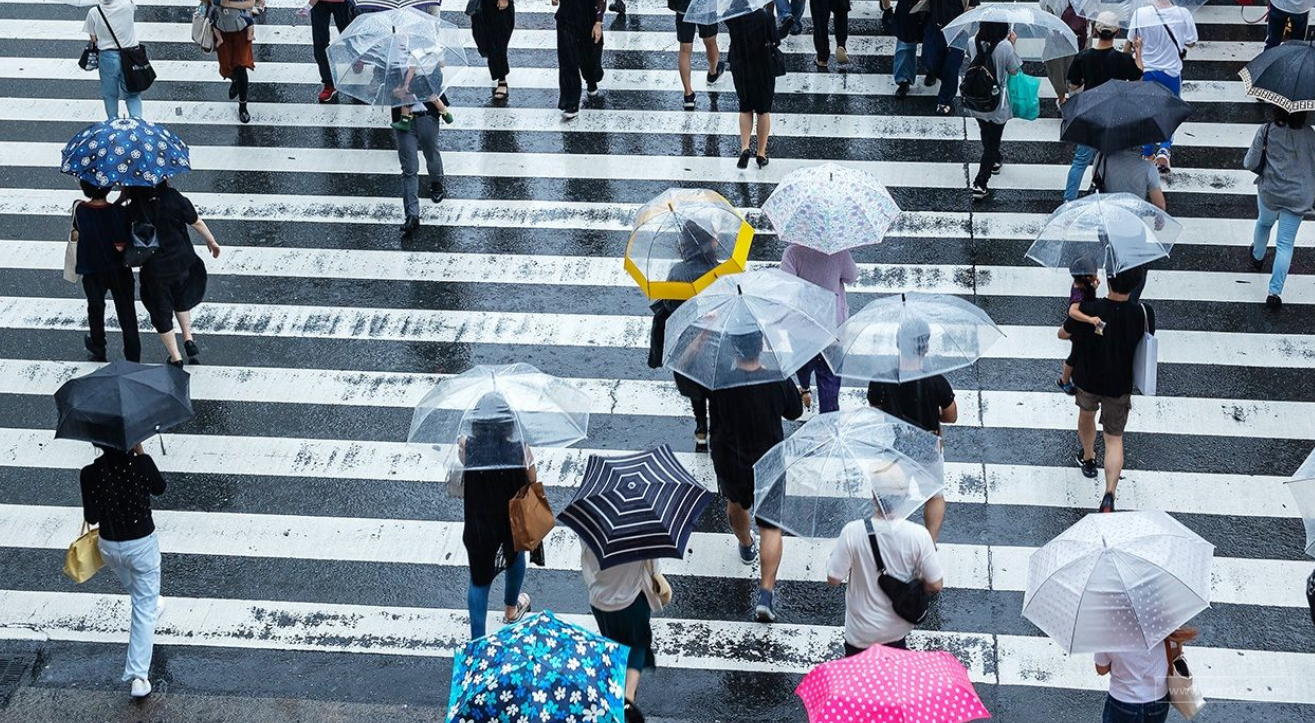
[
  {"x": 144, "y": 195},
  {"x": 1295, "y": 121},
  {"x": 989, "y": 35}
]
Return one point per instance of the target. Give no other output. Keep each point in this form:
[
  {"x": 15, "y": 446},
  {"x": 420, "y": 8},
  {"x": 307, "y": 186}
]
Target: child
[
  {"x": 1084, "y": 286},
  {"x": 243, "y": 14},
  {"x": 403, "y": 92}
]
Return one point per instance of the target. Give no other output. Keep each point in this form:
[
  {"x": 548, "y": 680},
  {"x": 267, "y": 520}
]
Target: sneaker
[
  {"x": 981, "y": 193},
  {"x": 786, "y": 26},
  {"x": 436, "y": 193},
  {"x": 797, "y": 28},
  {"x": 1088, "y": 465},
  {"x": 995, "y": 169},
  {"x": 97, "y": 352},
  {"x": 700, "y": 441},
  {"x": 174, "y": 363},
  {"x": 191, "y": 350},
  {"x": 1257, "y": 263},
  {"x": 327, "y": 94},
  {"x": 1162, "y": 161},
  {"x": 402, "y": 124},
  {"x": 842, "y": 55},
  {"x": 715, "y": 74},
  {"x": 821, "y": 63},
  {"x": 522, "y": 607},
  {"x": 765, "y": 612},
  {"x": 1273, "y": 301},
  {"x": 930, "y": 80},
  {"x": 409, "y": 226},
  {"x": 1069, "y": 387},
  {"x": 902, "y": 89},
  {"x": 1107, "y": 503},
  {"x": 570, "y": 114},
  {"x": 748, "y": 553},
  {"x": 618, "y": 7},
  {"x": 689, "y": 102},
  {"x": 591, "y": 90},
  {"x": 141, "y": 688}
]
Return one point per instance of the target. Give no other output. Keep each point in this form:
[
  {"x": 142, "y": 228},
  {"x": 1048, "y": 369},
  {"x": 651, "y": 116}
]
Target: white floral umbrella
[
  {"x": 1302, "y": 487},
  {"x": 831, "y": 208}
]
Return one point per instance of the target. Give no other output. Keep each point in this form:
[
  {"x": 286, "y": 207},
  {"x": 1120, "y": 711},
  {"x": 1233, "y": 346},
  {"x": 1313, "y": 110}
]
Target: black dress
[
  {"x": 488, "y": 492},
  {"x": 752, "y": 38},
  {"x": 492, "y": 30}
]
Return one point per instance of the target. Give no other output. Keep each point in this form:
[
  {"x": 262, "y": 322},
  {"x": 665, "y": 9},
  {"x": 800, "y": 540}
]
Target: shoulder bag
[
  {"x": 138, "y": 75},
  {"x": 83, "y": 558},
  {"x": 1183, "y": 693},
  {"x": 1145, "y": 361},
  {"x": 778, "y": 61},
  {"x": 203, "y": 29},
  {"x": 660, "y": 584},
  {"x": 71, "y": 274},
  {"x": 909, "y": 599},
  {"x": 142, "y": 246},
  {"x": 531, "y": 517}
]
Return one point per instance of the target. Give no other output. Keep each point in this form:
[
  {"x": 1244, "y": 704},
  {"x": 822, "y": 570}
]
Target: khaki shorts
[{"x": 1113, "y": 410}]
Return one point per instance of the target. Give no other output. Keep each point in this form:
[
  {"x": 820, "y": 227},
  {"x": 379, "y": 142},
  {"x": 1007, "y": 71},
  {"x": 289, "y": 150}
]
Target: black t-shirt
[
  {"x": 918, "y": 402},
  {"x": 1102, "y": 363},
  {"x": 1092, "y": 67},
  {"x": 99, "y": 229},
  {"x": 171, "y": 213},
  {"x": 745, "y": 421}
]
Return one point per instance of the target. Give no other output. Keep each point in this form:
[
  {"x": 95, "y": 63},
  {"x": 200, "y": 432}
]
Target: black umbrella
[
  {"x": 121, "y": 404},
  {"x": 1284, "y": 75},
  {"x": 1122, "y": 114}
]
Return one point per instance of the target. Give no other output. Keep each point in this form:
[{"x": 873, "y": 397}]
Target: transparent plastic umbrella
[
  {"x": 831, "y": 208},
  {"x": 1302, "y": 487},
  {"x": 750, "y": 328},
  {"x": 1041, "y": 35},
  {"x": 1118, "y": 582},
  {"x": 911, "y": 336},
  {"x": 485, "y": 418},
  {"x": 841, "y": 466},
  {"x": 685, "y": 239},
  {"x": 1118, "y": 231},
  {"x": 1126, "y": 10},
  {"x": 711, "y": 12},
  {"x": 396, "y": 57}
]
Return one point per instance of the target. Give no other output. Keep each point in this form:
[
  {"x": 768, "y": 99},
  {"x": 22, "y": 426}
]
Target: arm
[
  {"x": 305, "y": 9},
  {"x": 210, "y": 241},
  {"x": 600, "y": 6},
  {"x": 90, "y": 512},
  {"x": 1136, "y": 54},
  {"x": 933, "y": 587},
  {"x": 146, "y": 466},
  {"x": 950, "y": 414},
  {"x": 1156, "y": 197},
  {"x": 1063, "y": 333},
  {"x": 1075, "y": 314},
  {"x": 837, "y": 566},
  {"x": 1102, "y": 669},
  {"x": 849, "y": 274}
]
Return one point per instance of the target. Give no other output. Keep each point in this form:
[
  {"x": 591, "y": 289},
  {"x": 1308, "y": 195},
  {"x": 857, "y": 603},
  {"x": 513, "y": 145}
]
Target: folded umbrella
[
  {"x": 1117, "y": 231},
  {"x": 1122, "y": 114},
  {"x": 1302, "y": 487},
  {"x": 1041, "y": 35},
  {"x": 396, "y": 57},
  {"x": 888, "y": 685},
  {"x": 683, "y": 240},
  {"x": 125, "y": 152},
  {"x": 831, "y": 208},
  {"x": 1283, "y": 75},
  {"x": 123, "y": 403}
]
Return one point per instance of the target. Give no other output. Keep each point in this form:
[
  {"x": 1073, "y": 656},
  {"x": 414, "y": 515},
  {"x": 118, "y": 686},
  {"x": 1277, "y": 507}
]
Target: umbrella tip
[{"x": 738, "y": 290}]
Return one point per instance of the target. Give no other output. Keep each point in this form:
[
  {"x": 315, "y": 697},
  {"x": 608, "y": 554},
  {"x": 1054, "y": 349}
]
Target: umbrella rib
[
  {"x": 1164, "y": 570},
  {"x": 1140, "y": 626}
]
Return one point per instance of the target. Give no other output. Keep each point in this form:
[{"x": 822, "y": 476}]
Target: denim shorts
[{"x": 1116, "y": 711}]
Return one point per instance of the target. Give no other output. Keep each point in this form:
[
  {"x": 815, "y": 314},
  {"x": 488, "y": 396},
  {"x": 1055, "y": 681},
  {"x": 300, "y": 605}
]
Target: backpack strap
[{"x": 872, "y": 540}]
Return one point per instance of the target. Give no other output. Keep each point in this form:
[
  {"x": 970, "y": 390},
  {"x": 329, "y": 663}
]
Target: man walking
[
  {"x": 1103, "y": 373},
  {"x": 320, "y": 12},
  {"x": 684, "y": 58},
  {"x": 1091, "y": 68},
  {"x": 421, "y": 138},
  {"x": 579, "y": 51},
  {"x": 1166, "y": 32},
  {"x": 909, "y": 30},
  {"x": 1288, "y": 20}
]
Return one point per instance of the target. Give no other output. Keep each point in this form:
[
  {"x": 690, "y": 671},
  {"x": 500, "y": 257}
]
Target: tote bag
[
  {"x": 71, "y": 274},
  {"x": 83, "y": 558},
  {"x": 203, "y": 33},
  {"x": 1145, "y": 362},
  {"x": 531, "y": 517},
  {"x": 1184, "y": 696},
  {"x": 1024, "y": 96}
]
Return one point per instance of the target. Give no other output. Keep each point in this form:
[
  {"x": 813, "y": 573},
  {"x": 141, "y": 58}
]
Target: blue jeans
[
  {"x": 942, "y": 62},
  {"x": 112, "y": 87},
  {"x": 790, "y": 9},
  {"x": 1288, "y": 223},
  {"x": 1081, "y": 159},
  {"x": 1173, "y": 83},
  {"x": 1116, "y": 711},
  {"x": 477, "y": 598},
  {"x": 137, "y": 563},
  {"x": 828, "y": 384},
  {"x": 906, "y": 62},
  {"x": 1278, "y": 19}
]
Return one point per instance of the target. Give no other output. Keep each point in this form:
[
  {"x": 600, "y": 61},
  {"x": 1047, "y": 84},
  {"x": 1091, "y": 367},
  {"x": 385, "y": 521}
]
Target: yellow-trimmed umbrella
[{"x": 684, "y": 240}]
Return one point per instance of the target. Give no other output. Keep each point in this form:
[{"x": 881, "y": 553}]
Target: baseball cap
[{"x": 1107, "y": 19}]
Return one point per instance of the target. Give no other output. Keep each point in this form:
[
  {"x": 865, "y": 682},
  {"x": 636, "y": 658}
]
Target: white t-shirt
[
  {"x": 1295, "y": 7},
  {"x": 120, "y": 14},
  {"x": 1159, "y": 51},
  {"x": 908, "y": 552},
  {"x": 1137, "y": 677}
]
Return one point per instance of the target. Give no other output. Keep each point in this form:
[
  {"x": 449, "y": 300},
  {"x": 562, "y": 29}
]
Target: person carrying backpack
[{"x": 991, "y": 60}]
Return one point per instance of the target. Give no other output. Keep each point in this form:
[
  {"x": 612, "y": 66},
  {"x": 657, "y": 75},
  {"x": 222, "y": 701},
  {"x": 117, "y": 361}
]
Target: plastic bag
[{"x": 1024, "y": 96}]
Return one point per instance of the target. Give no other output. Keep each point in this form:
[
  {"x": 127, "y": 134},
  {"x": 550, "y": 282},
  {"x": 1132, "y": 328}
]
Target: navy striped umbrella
[{"x": 635, "y": 508}]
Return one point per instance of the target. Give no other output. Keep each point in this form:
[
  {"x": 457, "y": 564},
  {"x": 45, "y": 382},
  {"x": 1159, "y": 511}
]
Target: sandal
[
  {"x": 522, "y": 607},
  {"x": 501, "y": 93}
]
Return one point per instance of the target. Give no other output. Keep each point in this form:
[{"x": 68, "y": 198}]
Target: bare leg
[
  {"x": 764, "y": 130},
  {"x": 171, "y": 345},
  {"x": 770, "y": 555},
  {"x": 683, "y": 59},
  {"x": 746, "y": 128},
  {"x": 740, "y": 522},
  {"x": 933, "y": 515},
  {"x": 1113, "y": 460},
  {"x": 1087, "y": 433},
  {"x": 714, "y": 54},
  {"x": 185, "y": 324},
  {"x": 632, "y": 683}
]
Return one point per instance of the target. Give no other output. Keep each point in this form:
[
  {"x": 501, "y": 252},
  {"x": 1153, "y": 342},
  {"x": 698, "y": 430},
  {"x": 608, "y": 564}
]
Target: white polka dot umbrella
[{"x": 1302, "y": 487}]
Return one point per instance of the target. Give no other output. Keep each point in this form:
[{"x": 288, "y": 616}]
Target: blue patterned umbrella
[
  {"x": 540, "y": 669},
  {"x": 633, "y": 508},
  {"x": 125, "y": 152}
]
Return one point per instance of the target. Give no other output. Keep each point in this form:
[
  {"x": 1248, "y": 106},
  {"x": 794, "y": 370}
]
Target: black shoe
[
  {"x": 902, "y": 89},
  {"x": 929, "y": 80},
  {"x": 1257, "y": 263},
  {"x": 1273, "y": 302},
  {"x": 689, "y": 102},
  {"x": 995, "y": 169},
  {"x": 174, "y": 363},
  {"x": 632, "y": 713},
  {"x": 435, "y": 193},
  {"x": 715, "y": 74},
  {"x": 97, "y": 352},
  {"x": 409, "y": 226},
  {"x": 785, "y": 26},
  {"x": 570, "y": 114},
  {"x": 763, "y": 161},
  {"x": 591, "y": 90},
  {"x": 618, "y": 7},
  {"x": 242, "y": 113},
  {"x": 1088, "y": 465},
  {"x": 981, "y": 193},
  {"x": 744, "y": 159},
  {"x": 191, "y": 350},
  {"x": 797, "y": 29},
  {"x": 1106, "y": 503}
]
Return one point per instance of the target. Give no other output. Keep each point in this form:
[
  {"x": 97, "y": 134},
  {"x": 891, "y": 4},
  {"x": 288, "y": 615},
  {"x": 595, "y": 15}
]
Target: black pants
[
  {"x": 118, "y": 282},
  {"x": 492, "y": 30},
  {"x": 851, "y": 651},
  {"x": 241, "y": 83},
  {"x": 1278, "y": 20},
  {"x": 822, "y": 10},
  {"x": 578, "y": 56},
  {"x": 320, "y": 14},
  {"x": 992, "y": 135}
]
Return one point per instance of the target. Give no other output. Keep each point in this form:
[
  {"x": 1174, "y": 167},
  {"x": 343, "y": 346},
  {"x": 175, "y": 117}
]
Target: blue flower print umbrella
[
  {"x": 539, "y": 670},
  {"x": 125, "y": 152}
]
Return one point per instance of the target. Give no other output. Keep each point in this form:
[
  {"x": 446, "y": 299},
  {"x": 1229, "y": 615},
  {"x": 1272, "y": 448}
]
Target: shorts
[
  {"x": 632, "y": 627},
  {"x": 685, "y": 31},
  {"x": 1113, "y": 410},
  {"x": 736, "y": 485},
  {"x": 164, "y": 297}
]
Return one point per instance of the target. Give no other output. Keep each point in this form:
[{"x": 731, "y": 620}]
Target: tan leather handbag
[
  {"x": 1183, "y": 693},
  {"x": 531, "y": 517},
  {"x": 83, "y": 558}
]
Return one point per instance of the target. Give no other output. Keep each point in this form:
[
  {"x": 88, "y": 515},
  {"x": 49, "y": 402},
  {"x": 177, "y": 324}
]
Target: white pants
[{"x": 137, "y": 563}]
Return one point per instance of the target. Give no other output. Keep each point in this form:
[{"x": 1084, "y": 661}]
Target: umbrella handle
[{"x": 161, "y": 438}]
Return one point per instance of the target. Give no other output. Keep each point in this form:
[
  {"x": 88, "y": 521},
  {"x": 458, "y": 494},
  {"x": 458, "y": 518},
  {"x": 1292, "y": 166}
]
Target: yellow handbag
[{"x": 83, "y": 559}]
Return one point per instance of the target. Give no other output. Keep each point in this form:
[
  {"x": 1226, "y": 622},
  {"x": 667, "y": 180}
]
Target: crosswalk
[{"x": 298, "y": 522}]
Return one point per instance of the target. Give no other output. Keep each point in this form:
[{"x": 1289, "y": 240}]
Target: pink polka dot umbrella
[{"x": 887, "y": 685}]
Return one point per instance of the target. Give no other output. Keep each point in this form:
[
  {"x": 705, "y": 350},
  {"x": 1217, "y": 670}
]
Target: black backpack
[
  {"x": 909, "y": 599},
  {"x": 980, "y": 88}
]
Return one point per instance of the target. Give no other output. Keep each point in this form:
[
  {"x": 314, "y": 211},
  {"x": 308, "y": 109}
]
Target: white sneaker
[{"x": 141, "y": 687}]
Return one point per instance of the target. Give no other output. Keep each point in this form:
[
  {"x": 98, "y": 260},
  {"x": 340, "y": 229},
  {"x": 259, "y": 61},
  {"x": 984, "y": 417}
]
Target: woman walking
[
  {"x": 623, "y": 599},
  {"x": 116, "y": 494},
  {"x": 492, "y": 23},
  {"x": 831, "y": 272},
  {"x": 173, "y": 278},
  {"x": 103, "y": 230},
  {"x": 753, "y": 39},
  {"x": 1283, "y": 156},
  {"x": 1139, "y": 686},
  {"x": 235, "y": 31},
  {"x": 993, "y": 47},
  {"x": 113, "y": 29}
]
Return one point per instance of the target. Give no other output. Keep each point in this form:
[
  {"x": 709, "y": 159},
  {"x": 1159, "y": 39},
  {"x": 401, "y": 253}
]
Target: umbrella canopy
[
  {"x": 1118, "y": 582},
  {"x": 1122, "y": 114},
  {"x": 831, "y": 208},
  {"x": 839, "y": 466},
  {"x": 1041, "y": 35},
  {"x": 711, "y": 12},
  {"x": 683, "y": 240},
  {"x": 125, "y": 152},
  {"x": 1284, "y": 76},
  {"x": 1302, "y": 487},
  {"x": 123, "y": 403},
  {"x": 485, "y": 417},
  {"x": 911, "y": 336},
  {"x": 1126, "y": 10},
  {"x": 396, "y": 4},
  {"x": 396, "y": 57},
  {"x": 1119, "y": 231},
  {"x": 540, "y": 669},
  {"x": 639, "y": 507},
  {"x": 759, "y": 326},
  {"x": 888, "y": 685}
]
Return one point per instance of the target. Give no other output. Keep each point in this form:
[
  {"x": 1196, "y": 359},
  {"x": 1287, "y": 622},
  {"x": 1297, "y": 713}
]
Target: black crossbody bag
[
  {"x": 909, "y": 599},
  {"x": 138, "y": 75}
]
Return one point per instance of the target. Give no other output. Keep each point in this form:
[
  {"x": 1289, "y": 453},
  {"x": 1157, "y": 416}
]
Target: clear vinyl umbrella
[
  {"x": 1134, "y": 13},
  {"x": 1118, "y": 231},
  {"x": 759, "y": 326},
  {"x": 831, "y": 208},
  {"x": 1302, "y": 487},
  {"x": 911, "y": 336},
  {"x": 396, "y": 57},
  {"x": 843, "y": 466},
  {"x": 683, "y": 240},
  {"x": 711, "y": 12},
  {"x": 1041, "y": 35},
  {"x": 1118, "y": 582}
]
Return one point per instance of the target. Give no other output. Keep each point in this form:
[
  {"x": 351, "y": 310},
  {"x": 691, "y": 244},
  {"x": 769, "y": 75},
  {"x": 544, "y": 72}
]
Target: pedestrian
[
  {"x": 173, "y": 279},
  {"x": 579, "y": 51},
  {"x": 1287, "y": 20},
  {"x": 1166, "y": 32},
  {"x": 831, "y": 272},
  {"x": 754, "y": 38},
  {"x": 993, "y": 47},
  {"x": 746, "y": 423},
  {"x": 685, "y": 38},
  {"x": 1057, "y": 68},
  {"x": 1139, "y": 680},
  {"x": 926, "y": 403},
  {"x": 791, "y": 14},
  {"x": 1282, "y": 154},
  {"x": 420, "y": 136},
  {"x": 1130, "y": 171},
  {"x": 907, "y": 552},
  {"x": 623, "y": 599},
  {"x": 1092, "y": 67},
  {"x": 822, "y": 10},
  {"x": 235, "y": 32},
  {"x": 910, "y": 28},
  {"x": 114, "y": 21},
  {"x": 496, "y": 468},
  {"x": 116, "y": 495},
  {"x": 1085, "y": 282},
  {"x": 1102, "y": 371},
  {"x": 1310, "y": 596},
  {"x": 942, "y": 61},
  {"x": 491, "y": 23},
  {"x": 320, "y": 13},
  {"x": 103, "y": 232}
]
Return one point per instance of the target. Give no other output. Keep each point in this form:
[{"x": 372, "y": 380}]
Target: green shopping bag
[{"x": 1024, "y": 96}]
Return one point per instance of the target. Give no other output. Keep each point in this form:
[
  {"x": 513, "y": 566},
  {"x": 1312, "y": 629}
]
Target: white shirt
[
  {"x": 1296, "y": 7},
  {"x": 1137, "y": 677},
  {"x": 120, "y": 14},
  {"x": 1159, "y": 51},
  {"x": 617, "y": 587},
  {"x": 908, "y": 552}
]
